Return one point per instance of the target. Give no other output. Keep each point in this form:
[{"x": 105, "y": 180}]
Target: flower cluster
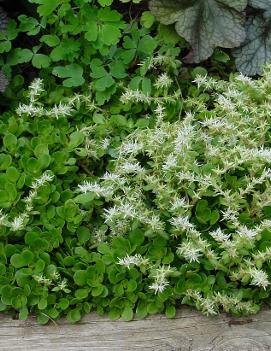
[
  {"x": 35, "y": 108},
  {"x": 128, "y": 261},
  {"x": 159, "y": 274},
  {"x": 53, "y": 281},
  {"x": 210, "y": 305},
  {"x": 19, "y": 222}
]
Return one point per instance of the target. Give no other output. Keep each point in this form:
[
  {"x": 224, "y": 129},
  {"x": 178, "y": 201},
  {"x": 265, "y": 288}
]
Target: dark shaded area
[
  {"x": 130, "y": 11},
  {"x": 16, "y": 7}
]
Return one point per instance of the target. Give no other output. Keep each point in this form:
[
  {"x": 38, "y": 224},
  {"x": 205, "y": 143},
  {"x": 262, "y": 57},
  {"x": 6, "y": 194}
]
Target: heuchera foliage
[{"x": 206, "y": 24}]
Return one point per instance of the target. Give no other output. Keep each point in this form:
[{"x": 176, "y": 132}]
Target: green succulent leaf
[
  {"x": 40, "y": 61},
  {"x": 29, "y": 25},
  {"x": 19, "y": 55},
  {"x": 105, "y": 2},
  {"x": 205, "y": 24},
  {"x": 46, "y": 7},
  {"x": 147, "y": 19},
  {"x": 50, "y": 40},
  {"x": 73, "y": 74}
]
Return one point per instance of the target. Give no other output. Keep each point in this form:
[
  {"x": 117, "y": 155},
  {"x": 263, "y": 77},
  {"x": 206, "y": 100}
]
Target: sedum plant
[
  {"x": 199, "y": 190},
  {"x": 53, "y": 260}
]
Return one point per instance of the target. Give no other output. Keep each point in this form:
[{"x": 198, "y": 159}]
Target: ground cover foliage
[
  {"x": 74, "y": 42},
  {"x": 130, "y": 184}
]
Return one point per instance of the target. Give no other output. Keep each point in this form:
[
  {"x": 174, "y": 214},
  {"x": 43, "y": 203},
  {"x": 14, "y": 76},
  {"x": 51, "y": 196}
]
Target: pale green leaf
[
  {"x": 40, "y": 61},
  {"x": 73, "y": 74}
]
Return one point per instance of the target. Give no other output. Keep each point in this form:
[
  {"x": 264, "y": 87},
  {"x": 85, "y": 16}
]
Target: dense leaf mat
[{"x": 138, "y": 221}]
